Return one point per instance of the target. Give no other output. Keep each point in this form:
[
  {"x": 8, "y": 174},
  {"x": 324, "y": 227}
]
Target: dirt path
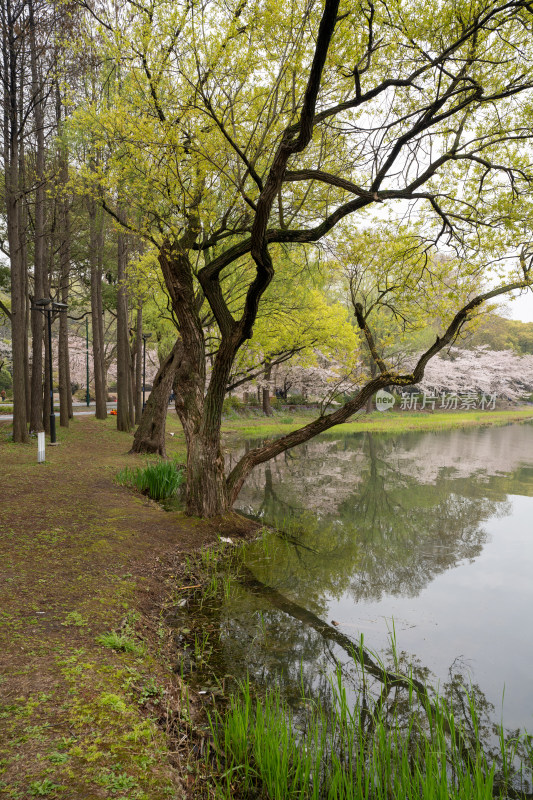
[{"x": 81, "y": 557}]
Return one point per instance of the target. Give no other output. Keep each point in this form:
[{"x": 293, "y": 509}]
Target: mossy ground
[
  {"x": 84, "y": 715},
  {"x": 82, "y": 557}
]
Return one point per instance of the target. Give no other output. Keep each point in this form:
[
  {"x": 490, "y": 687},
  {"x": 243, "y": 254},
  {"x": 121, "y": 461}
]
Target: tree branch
[{"x": 389, "y": 378}]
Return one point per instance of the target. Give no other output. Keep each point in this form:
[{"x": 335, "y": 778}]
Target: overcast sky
[{"x": 522, "y": 307}]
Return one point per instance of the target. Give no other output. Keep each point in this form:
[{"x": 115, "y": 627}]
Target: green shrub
[
  {"x": 296, "y": 400},
  {"x": 231, "y": 404},
  {"x": 6, "y": 381},
  {"x": 159, "y": 480}
]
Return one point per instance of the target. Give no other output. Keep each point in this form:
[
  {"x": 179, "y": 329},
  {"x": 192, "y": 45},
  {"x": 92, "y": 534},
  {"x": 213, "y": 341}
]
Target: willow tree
[{"x": 241, "y": 131}]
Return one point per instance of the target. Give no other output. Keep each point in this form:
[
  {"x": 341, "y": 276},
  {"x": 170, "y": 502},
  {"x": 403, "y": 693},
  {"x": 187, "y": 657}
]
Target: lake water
[{"x": 425, "y": 536}]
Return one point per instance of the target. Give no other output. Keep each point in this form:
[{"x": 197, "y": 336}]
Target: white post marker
[{"x": 40, "y": 447}]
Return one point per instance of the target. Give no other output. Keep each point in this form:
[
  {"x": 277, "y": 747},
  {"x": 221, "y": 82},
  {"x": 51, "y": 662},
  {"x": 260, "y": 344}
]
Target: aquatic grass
[
  {"x": 264, "y": 749},
  {"x": 159, "y": 480}
]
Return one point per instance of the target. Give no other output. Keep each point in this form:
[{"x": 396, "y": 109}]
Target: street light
[
  {"x": 42, "y": 306},
  {"x": 145, "y": 337}
]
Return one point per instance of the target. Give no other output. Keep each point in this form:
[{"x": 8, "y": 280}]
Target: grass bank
[{"x": 377, "y": 422}]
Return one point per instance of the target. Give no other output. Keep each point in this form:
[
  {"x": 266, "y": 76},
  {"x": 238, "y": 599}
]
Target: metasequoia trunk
[
  {"x": 18, "y": 310},
  {"x": 124, "y": 420},
  {"x": 10, "y": 78},
  {"x": 96, "y": 241},
  {"x": 150, "y": 435},
  {"x": 39, "y": 258},
  {"x": 137, "y": 395},
  {"x": 27, "y": 311},
  {"x": 65, "y": 392},
  {"x": 131, "y": 380},
  {"x": 46, "y": 372}
]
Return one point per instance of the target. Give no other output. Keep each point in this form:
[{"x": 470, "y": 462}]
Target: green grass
[
  {"x": 377, "y": 422},
  {"x": 159, "y": 480},
  {"x": 263, "y": 750},
  {"x": 122, "y": 642}
]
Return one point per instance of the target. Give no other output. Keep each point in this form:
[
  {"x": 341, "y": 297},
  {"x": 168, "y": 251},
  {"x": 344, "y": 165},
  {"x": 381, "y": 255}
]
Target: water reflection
[
  {"x": 422, "y": 529},
  {"x": 365, "y": 520}
]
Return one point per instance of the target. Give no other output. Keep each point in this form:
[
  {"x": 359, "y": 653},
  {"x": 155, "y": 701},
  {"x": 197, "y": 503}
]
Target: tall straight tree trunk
[
  {"x": 65, "y": 393},
  {"x": 267, "y": 408},
  {"x": 150, "y": 435},
  {"x": 124, "y": 420},
  {"x": 39, "y": 264},
  {"x": 27, "y": 379},
  {"x": 96, "y": 257},
  {"x": 12, "y": 199},
  {"x": 131, "y": 380},
  {"x": 46, "y": 374},
  {"x": 137, "y": 396}
]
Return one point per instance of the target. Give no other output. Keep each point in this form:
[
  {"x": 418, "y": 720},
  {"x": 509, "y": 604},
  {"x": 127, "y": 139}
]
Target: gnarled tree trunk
[{"x": 150, "y": 435}]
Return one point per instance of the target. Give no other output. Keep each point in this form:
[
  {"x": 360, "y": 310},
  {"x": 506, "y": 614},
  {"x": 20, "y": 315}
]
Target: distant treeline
[{"x": 498, "y": 333}]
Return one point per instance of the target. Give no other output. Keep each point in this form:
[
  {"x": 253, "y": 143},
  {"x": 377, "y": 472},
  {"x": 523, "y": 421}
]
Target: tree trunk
[
  {"x": 373, "y": 370},
  {"x": 65, "y": 393},
  {"x": 12, "y": 79},
  {"x": 18, "y": 319},
  {"x": 206, "y": 492},
  {"x": 138, "y": 402},
  {"x": 27, "y": 378},
  {"x": 124, "y": 420},
  {"x": 63, "y": 369},
  {"x": 267, "y": 408},
  {"x": 131, "y": 380},
  {"x": 39, "y": 262},
  {"x": 46, "y": 372},
  {"x": 200, "y": 416},
  {"x": 96, "y": 235},
  {"x": 150, "y": 435}
]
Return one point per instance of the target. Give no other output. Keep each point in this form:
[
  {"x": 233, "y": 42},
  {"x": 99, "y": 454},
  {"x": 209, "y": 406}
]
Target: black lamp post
[
  {"x": 145, "y": 337},
  {"x": 47, "y": 306}
]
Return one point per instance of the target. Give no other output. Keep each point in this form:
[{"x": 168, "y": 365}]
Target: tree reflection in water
[
  {"x": 366, "y": 516},
  {"x": 364, "y": 522}
]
